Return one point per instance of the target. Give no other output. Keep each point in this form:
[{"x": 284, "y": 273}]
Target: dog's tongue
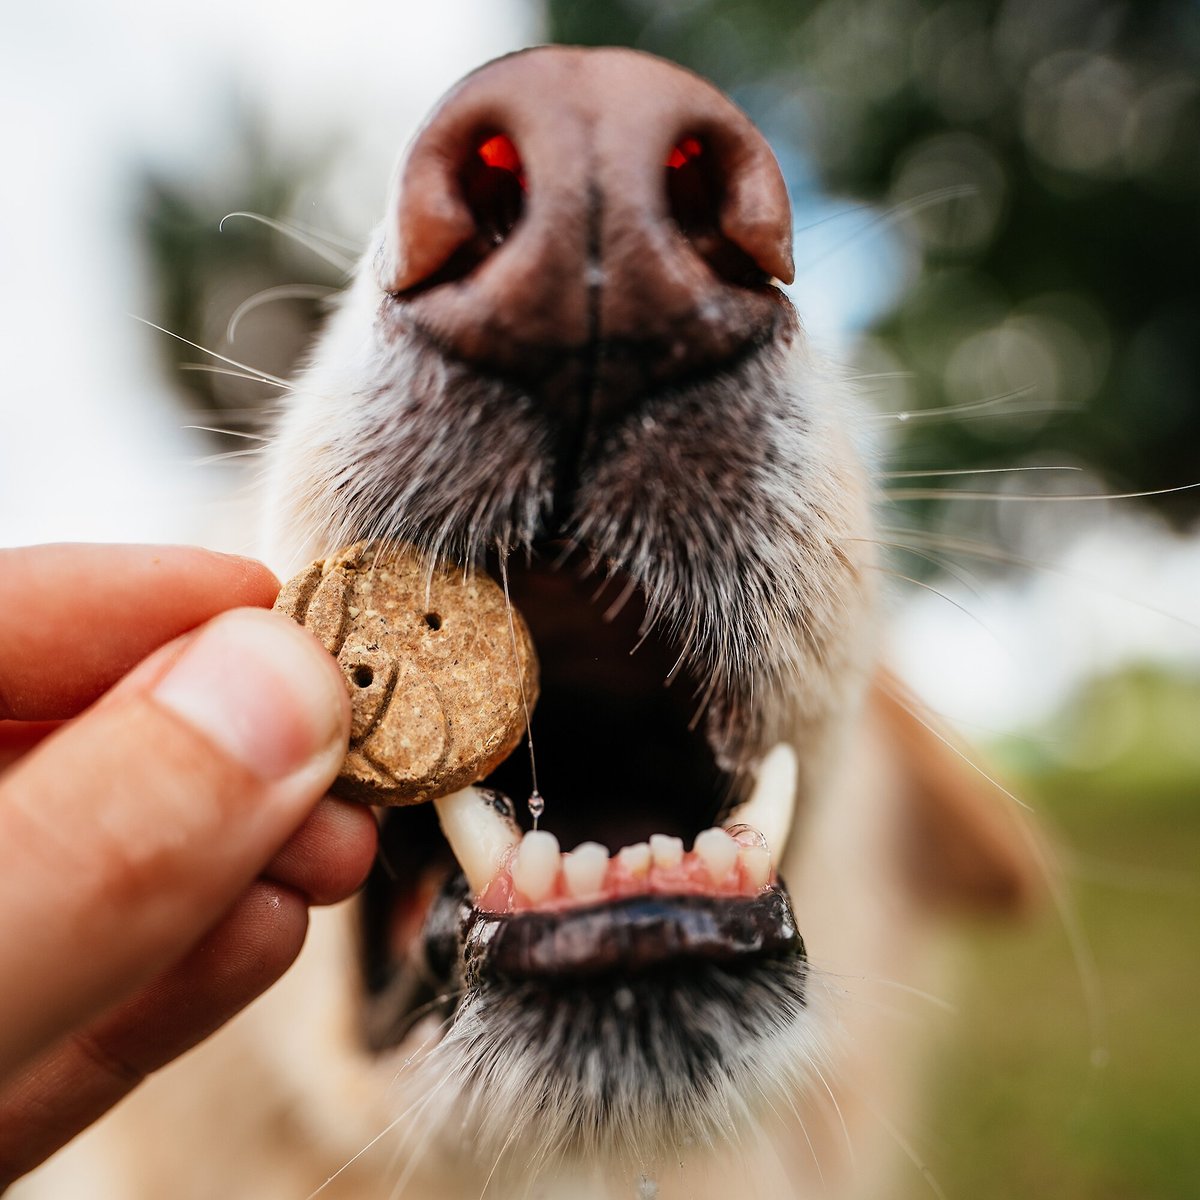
[{"x": 510, "y": 872}]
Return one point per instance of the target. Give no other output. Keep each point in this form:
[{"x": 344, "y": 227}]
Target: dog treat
[{"x": 428, "y": 658}]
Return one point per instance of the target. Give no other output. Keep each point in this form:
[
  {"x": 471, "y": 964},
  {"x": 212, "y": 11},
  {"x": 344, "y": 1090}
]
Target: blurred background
[{"x": 997, "y": 230}]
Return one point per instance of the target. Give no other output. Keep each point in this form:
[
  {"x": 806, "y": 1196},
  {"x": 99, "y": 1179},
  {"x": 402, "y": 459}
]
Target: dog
[{"x": 566, "y": 359}]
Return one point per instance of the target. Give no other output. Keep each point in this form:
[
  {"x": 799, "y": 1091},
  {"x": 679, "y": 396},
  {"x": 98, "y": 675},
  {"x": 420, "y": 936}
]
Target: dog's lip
[{"x": 630, "y": 936}]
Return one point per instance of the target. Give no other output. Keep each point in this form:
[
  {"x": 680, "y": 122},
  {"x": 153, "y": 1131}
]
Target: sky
[{"x": 93, "y": 449}]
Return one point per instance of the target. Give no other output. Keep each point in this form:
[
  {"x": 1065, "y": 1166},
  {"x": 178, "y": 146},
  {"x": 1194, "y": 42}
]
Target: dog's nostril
[
  {"x": 688, "y": 150},
  {"x": 695, "y": 192},
  {"x": 498, "y": 151},
  {"x": 693, "y": 188},
  {"x": 493, "y": 185}
]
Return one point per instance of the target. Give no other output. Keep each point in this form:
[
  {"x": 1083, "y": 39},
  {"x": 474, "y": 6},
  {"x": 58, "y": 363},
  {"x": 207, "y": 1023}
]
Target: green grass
[{"x": 1016, "y": 1109}]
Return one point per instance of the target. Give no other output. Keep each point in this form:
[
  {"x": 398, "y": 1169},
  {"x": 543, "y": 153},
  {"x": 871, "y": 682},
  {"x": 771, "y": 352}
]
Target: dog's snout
[{"x": 597, "y": 221}]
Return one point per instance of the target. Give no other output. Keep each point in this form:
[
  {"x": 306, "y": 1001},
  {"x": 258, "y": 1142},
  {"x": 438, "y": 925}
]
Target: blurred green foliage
[
  {"x": 1043, "y": 159},
  {"x": 1018, "y": 1107},
  {"x": 209, "y": 262}
]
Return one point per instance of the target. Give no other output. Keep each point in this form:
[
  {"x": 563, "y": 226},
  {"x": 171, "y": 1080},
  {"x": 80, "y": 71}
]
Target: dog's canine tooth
[
  {"x": 480, "y": 831},
  {"x": 666, "y": 851},
  {"x": 755, "y": 862},
  {"x": 535, "y": 868},
  {"x": 584, "y": 869},
  {"x": 772, "y": 803},
  {"x": 718, "y": 851}
]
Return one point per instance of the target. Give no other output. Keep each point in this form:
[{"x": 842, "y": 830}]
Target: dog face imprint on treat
[{"x": 438, "y": 677}]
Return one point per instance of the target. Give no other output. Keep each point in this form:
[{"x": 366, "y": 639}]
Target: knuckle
[{"x": 104, "y": 1060}]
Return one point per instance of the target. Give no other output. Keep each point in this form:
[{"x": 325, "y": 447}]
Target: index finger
[{"x": 75, "y": 618}]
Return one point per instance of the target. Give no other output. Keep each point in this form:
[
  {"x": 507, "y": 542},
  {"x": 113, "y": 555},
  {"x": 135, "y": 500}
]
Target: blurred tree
[
  {"x": 228, "y": 282},
  {"x": 1046, "y": 154}
]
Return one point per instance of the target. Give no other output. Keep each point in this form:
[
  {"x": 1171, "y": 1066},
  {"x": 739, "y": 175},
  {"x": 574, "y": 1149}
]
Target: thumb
[{"x": 131, "y": 831}]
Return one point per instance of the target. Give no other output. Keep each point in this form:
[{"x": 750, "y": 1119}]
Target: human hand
[{"x": 162, "y": 827}]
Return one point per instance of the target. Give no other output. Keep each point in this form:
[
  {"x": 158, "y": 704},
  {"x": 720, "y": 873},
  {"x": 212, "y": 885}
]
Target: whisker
[
  {"x": 235, "y": 433},
  {"x": 414, "y": 1161},
  {"x": 392, "y": 1124},
  {"x": 287, "y": 291},
  {"x": 928, "y": 587},
  {"x": 423, "y": 1010},
  {"x": 255, "y": 415},
  {"x": 324, "y": 246},
  {"x": 614, "y": 610},
  {"x": 1081, "y": 950},
  {"x": 507, "y": 1142},
  {"x": 970, "y": 471},
  {"x": 970, "y": 548},
  {"x": 764, "y": 1140},
  {"x": 866, "y": 376},
  {"x": 908, "y": 1148},
  {"x": 911, "y": 709},
  {"x": 967, "y": 406},
  {"x": 969, "y": 581},
  {"x": 227, "y": 456},
  {"x": 1027, "y": 498},
  {"x": 261, "y": 376},
  {"x": 882, "y": 220},
  {"x": 910, "y": 415},
  {"x": 226, "y": 372},
  {"x": 937, "y": 1001},
  {"x": 804, "y": 1130},
  {"x": 837, "y": 1108}
]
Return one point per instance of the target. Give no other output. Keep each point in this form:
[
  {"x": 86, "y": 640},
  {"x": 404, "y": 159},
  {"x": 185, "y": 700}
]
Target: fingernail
[{"x": 257, "y": 686}]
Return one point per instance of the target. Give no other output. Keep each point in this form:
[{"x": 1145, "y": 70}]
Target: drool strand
[{"x": 536, "y": 803}]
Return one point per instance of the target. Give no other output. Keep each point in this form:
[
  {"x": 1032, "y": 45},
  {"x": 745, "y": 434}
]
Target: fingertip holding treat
[{"x": 264, "y": 692}]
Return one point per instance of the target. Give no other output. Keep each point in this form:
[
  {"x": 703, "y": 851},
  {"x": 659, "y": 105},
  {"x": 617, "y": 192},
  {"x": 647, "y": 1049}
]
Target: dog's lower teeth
[
  {"x": 636, "y": 858},
  {"x": 718, "y": 851},
  {"x": 505, "y": 870},
  {"x": 535, "y": 868},
  {"x": 584, "y": 870},
  {"x": 666, "y": 851},
  {"x": 538, "y": 876}
]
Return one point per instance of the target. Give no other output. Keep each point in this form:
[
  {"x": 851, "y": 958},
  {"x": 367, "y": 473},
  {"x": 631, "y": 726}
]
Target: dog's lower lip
[{"x": 630, "y": 936}]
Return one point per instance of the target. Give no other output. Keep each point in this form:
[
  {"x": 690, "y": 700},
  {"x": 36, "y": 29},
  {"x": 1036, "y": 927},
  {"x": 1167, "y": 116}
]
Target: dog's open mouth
[{"x": 649, "y": 857}]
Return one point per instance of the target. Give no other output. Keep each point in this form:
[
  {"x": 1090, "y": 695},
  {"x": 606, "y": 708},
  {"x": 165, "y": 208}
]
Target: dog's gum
[{"x": 435, "y": 663}]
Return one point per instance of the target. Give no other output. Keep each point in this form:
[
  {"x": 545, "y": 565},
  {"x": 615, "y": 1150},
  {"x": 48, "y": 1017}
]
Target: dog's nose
[{"x": 592, "y": 222}]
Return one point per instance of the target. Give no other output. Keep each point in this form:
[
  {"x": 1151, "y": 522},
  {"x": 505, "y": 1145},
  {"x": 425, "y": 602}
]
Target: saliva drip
[{"x": 537, "y": 804}]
